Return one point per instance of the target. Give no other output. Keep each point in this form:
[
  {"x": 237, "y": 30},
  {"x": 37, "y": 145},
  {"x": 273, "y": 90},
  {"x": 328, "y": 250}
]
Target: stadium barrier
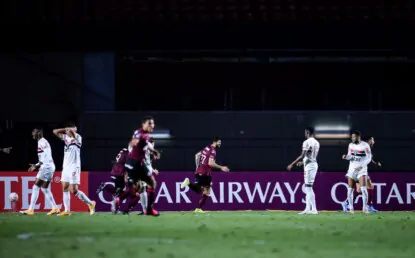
[
  {"x": 231, "y": 191},
  {"x": 22, "y": 183},
  {"x": 269, "y": 191}
]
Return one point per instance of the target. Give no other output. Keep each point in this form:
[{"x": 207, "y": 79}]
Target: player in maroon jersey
[
  {"x": 117, "y": 176},
  {"x": 205, "y": 161},
  {"x": 135, "y": 166}
]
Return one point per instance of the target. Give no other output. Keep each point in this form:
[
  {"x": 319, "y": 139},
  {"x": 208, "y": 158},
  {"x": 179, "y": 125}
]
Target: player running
[
  {"x": 154, "y": 172},
  {"x": 308, "y": 156},
  {"x": 46, "y": 168},
  {"x": 359, "y": 155},
  {"x": 370, "y": 187},
  {"x": 205, "y": 161},
  {"x": 136, "y": 167},
  {"x": 117, "y": 176},
  {"x": 71, "y": 172}
]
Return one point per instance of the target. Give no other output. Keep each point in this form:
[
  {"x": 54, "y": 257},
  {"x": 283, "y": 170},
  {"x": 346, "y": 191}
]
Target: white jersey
[
  {"x": 312, "y": 146},
  {"x": 72, "y": 156},
  {"x": 44, "y": 153},
  {"x": 359, "y": 155},
  {"x": 147, "y": 159}
]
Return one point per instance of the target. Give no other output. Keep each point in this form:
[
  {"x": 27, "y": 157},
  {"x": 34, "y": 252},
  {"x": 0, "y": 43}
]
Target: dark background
[{"x": 253, "y": 72}]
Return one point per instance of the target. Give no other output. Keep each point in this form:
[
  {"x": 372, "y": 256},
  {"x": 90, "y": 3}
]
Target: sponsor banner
[
  {"x": 22, "y": 183},
  {"x": 269, "y": 190}
]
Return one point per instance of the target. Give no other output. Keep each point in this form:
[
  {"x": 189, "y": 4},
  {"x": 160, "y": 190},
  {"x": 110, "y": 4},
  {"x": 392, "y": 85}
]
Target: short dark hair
[
  {"x": 310, "y": 130},
  {"x": 146, "y": 118},
  {"x": 151, "y": 139},
  {"x": 357, "y": 132},
  {"x": 215, "y": 139},
  {"x": 39, "y": 128},
  {"x": 369, "y": 137},
  {"x": 70, "y": 124}
]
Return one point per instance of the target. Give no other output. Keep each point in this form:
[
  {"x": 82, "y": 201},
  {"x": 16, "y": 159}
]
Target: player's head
[
  {"x": 151, "y": 140},
  {"x": 72, "y": 126},
  {"x": 370, "y": 140},
  {"x": 217, "y": 142},
  {"x": 37, "y": 133},
  {"x": 356, "y": 136},
  {"x": 309, "y": 131},
  {"x": 147, "y": 124}
]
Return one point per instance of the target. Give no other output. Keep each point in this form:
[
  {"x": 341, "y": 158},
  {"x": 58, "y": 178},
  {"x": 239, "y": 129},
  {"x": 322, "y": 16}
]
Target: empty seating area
[{"x": 211, "y": 11}]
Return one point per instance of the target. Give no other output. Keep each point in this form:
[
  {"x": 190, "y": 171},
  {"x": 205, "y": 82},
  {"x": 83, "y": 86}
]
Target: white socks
[
  {"x": 49, "y": 196},
  {"x": 83, "y": 197},
  {"x": 67, "y": 201},
  {"x": 364, "y": 197},
  {"x": 33, "y": 199},
  {"x": 310, "y": 199},
  {"x": 143, "y": 200},
  {"x": 350, "y": 198}
]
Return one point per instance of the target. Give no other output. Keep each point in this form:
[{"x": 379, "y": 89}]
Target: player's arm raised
[
  {"x": 212, "y": 163},
  {"x": 60, "y": 133}
]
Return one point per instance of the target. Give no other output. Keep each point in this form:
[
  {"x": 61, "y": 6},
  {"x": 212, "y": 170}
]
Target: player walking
[
  {"x": 136, "y": 167},
  {"x": 205, "y": 161},
  {"x": 46, "y": 168},
  {"x": 308, "y": 156},
  {"x": 370, "y": 188},
  {"x": 359, "y": 155},
  {"x": 71, "y": 172}
]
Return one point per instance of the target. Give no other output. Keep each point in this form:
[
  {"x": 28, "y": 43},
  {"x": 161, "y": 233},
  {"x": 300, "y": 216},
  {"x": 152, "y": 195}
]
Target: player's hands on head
[{"x": 225, "y": 169}]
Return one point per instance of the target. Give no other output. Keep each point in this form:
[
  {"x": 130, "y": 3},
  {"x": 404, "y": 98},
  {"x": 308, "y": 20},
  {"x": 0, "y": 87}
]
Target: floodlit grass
[{"x": 213, "y": 235}]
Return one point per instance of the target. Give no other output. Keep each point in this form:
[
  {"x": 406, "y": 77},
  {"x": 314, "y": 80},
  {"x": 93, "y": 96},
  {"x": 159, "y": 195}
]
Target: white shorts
[
  {"x": 310, "y": 172},
  {"x": 351, "y": 173},
  {"x": 71, "y": 175},
  {"x": 46, "y": 173}
]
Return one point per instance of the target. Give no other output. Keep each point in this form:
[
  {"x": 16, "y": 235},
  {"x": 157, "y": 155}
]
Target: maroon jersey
[
  {"x": 118, "y": 169},
  {"x": 209, "y": 152},
  {"x": 138, "y": 153}
]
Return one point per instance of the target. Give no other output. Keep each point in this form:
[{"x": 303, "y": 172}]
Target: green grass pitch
[{"x": 214, "y": 235}]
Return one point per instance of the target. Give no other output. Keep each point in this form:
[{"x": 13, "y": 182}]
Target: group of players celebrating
[
  {"x": 134, "y": 178},
  {"x": 359, "y": 155}
]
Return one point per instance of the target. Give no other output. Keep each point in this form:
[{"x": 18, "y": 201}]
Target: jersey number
[{"x": 202, "y": 158}]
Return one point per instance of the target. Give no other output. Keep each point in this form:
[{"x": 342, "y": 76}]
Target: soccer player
[
  {"x": 135, "y": 165},
  {"x": 308, "y": 156},
  {"x": 370, "y": 188},
  {"x": 205, "y": 161},
  {"x": 46, "y": 168},
  {"x": 118, "y": 178},
  {"x": 359, "y": 155},
  {"x": 154, "y": 172},
  {"x": 71, "y": 172}
]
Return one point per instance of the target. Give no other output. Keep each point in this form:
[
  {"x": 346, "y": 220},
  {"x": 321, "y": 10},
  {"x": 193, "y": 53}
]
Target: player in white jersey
[
  {"x": 71, "y": 171},
  {"x": 151, "y": 172},
  {"x": 359, "y": 155},
  {"x": 308, "y": 156},
  {"x": 46, "y": 168}
]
